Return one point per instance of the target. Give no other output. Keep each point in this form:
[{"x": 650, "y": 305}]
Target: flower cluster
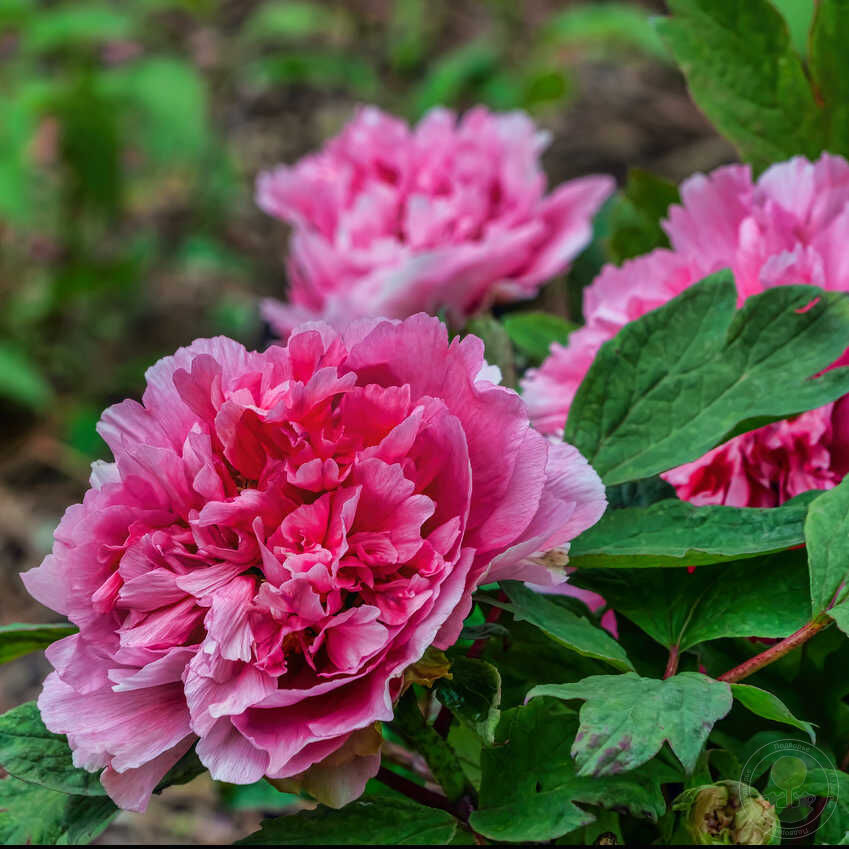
[
  {"x": 280, "y": 536},
  {"x": 448, "y": 216},
  {"x": 790, "y": 226}
]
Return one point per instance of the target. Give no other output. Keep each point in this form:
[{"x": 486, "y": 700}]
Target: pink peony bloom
[
  {"x": 791, "y": 226},
  {"x": 280, "y": 536},
  {"x": 451, "y": 215}
]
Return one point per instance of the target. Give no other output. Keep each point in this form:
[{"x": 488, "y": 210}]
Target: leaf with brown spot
[{"x": 626, "y": 719}]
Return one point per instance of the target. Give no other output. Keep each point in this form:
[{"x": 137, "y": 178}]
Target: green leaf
[
  {"x": 76, "y": 24},
  {"x": 827, "y": 64},
  {"x": 637, "y": 213},
  {"x": 420, "y": 736},
  {"x": 483, "y": 631},
  {"x": 260, "y": 796},
  {"x": 17, "y": 128},
  {"x": 612, "y": 25},
  {"x": 678, "y": 533},
  {"x": 827, "y": 538},
  {"x": 169, "y": 108},
  {"x": 560, "y": 624},
  {"x": 639, "y": 493},
  {"x": 823, "y": 782},
  {"x": 745, "y": 75},
  {"x": 30, "y": 752},
  {"x": 799, "y": 15},
  {"x": 498, "y": 350},
  {"x": 30, "y": 814},
  {"x": 452, "y": 75},
  {"x": 626, "y": 719},
  {"x": 679, "y": 609},
  {"x": 472, "y": 694},
  {"x": 185, "y": 770},
  {"x": 19, "y": 639},
  {"x": 683, "y": 378},
  {"x": 374, "y": 821},
  {"x": 533, "y": 332},
  {"x": 765, "y": 704},
  {"x": 320, "y": 69},
  {"x": 21, "y": 381},
  {"x": 287, "y": 20},
  {"x": 529, "y": 783}
]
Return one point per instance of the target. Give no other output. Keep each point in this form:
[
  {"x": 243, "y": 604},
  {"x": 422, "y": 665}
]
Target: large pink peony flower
[
  {"x": 791, "y": 226},
  {"x": 451, "y": 215},
  {"x": 281, "y": 535}
]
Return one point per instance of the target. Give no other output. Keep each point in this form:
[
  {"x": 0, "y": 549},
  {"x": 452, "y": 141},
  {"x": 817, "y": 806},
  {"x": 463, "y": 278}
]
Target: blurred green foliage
[{"x": 129, "y": 143}]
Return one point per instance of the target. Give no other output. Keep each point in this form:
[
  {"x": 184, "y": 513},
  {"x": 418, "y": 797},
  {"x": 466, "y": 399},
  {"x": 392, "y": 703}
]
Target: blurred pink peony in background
[
  {"x": 790, "y": 226},
  {"x": 450, "y": 215},
  {"x": 280, "y": 536}
]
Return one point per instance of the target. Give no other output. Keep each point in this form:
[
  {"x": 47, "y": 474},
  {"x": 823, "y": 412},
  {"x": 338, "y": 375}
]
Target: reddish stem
[
  {"x": 414, "y": 791},
  {"x": 773, "y": 653},
  {"x": 672, "y": 663}
]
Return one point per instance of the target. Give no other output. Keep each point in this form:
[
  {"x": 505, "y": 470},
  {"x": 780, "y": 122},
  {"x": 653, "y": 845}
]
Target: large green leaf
[
  {"x": 626, "y": 719},
  {"x": 529, "y": 783},
  {"x": 374, "y": 821},
  {"x": 32, "y": 753},
  {"x": 472, "y": 694},
  {"x": 681, "y": 379},
  {"x": 19, "y": 638},
  {"x": 681, "y": 609},
  {"x": 31, "y": 814},
  {"x": 769, "y": 706},
  {"x": 561, "y": 624},
  {"x": 827, "y": 536},
  {"x": 677, "y": 533},
  {"x": 745, "y": 75}
]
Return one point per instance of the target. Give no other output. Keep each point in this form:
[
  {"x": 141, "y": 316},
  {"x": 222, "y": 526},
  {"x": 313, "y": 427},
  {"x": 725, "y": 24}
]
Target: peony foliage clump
[{"x": 452, "y": 570}]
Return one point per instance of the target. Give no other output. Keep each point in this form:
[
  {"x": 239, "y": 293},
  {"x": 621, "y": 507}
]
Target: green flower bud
[{"x": 728, "y": 812}]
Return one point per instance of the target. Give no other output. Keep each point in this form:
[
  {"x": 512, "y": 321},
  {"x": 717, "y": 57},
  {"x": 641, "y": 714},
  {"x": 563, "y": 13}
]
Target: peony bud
[{"x": 728, "y": 812}]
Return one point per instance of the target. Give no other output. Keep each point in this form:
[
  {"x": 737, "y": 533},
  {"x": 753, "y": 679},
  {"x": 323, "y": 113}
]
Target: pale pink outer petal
[
  {"x": 229, "y": 756},
  {"x": 104, "y": 721},
  {"x": 131, "y": 790}
]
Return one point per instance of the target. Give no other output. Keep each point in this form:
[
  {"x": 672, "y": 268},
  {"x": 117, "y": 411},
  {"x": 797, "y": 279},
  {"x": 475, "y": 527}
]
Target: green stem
[{"x": 443, "y": 763}]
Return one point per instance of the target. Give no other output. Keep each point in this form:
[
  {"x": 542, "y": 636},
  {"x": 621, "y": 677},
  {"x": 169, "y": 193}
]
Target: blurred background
[{"x": 130, "y": 136}]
